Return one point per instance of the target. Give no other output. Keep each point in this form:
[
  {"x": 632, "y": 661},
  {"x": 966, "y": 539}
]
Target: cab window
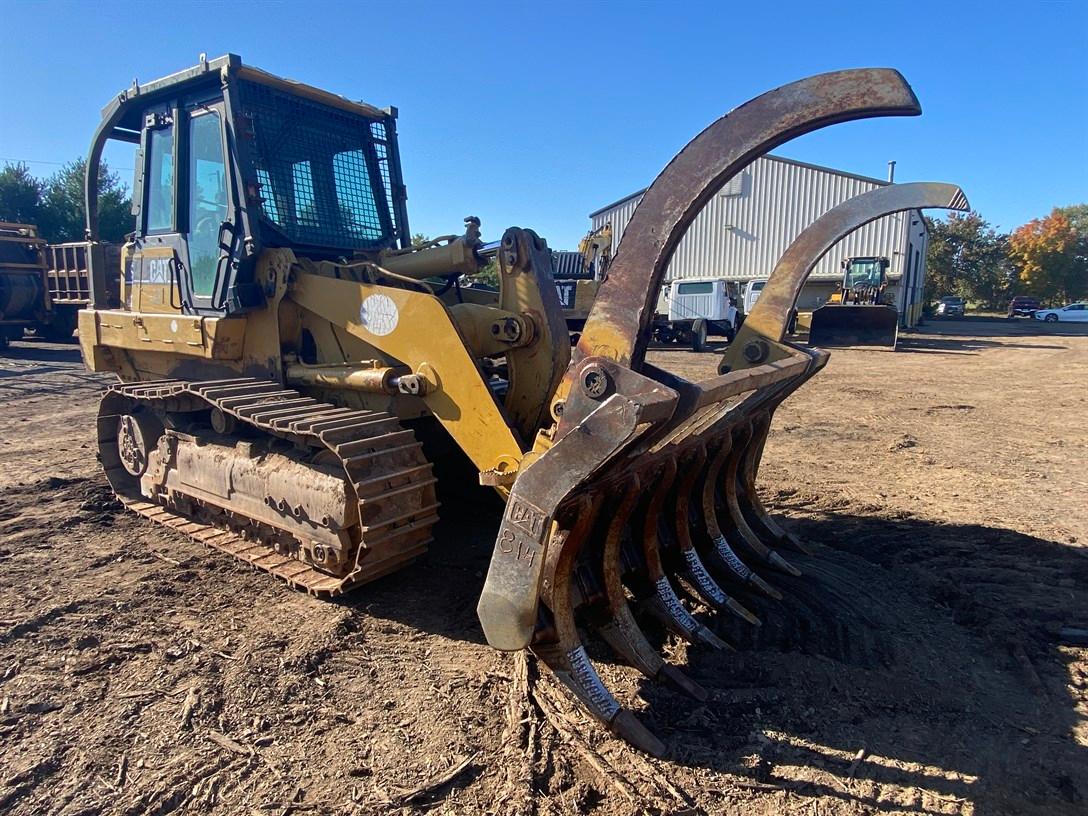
[
  {"x": 702, "y": 288},
  {"x": 160, "y": 180},
  {"x": 207, "y": 199}
]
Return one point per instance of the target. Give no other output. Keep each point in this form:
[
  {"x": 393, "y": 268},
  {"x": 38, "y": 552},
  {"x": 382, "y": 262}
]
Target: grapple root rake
[{"x": 646, "y": 483}]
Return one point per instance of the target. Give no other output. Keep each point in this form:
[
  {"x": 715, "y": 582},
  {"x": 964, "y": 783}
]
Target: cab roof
[{"x": 137, "y": 97}]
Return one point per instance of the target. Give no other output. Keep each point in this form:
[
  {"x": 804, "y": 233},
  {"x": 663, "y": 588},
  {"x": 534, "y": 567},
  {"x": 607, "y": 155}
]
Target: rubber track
[{"x": 382, "y": 461}]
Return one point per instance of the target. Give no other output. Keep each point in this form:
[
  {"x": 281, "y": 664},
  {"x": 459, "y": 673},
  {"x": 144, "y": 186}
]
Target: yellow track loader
[{"x": 282, "y": 350}]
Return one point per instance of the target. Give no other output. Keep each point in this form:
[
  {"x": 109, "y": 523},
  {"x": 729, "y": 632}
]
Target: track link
[{"x": 384, "y": 469}]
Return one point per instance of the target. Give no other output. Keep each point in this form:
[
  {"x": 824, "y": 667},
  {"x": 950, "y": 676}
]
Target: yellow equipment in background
[
  {"x": 284, "y": 353},
  {"x": 855, "y": 314}
]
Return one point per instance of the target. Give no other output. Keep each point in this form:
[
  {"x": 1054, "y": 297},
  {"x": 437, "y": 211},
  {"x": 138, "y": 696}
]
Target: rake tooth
[
  {"x": 559, "y": 644},
  {"x": 758, "y": 516},
  {"x": 728, "y": 484},
  {"x": 722, "y": 553},
  {"x": 572, "y": 668},
  {"x": 781, "y": 563},
  {"x": 692, "y": 566},
  {"x": 666, "y": 607},
  {"x": 615, "y": 622},
  {"x": 663, "y": 603},
  {"x": 697, "y": 574}
]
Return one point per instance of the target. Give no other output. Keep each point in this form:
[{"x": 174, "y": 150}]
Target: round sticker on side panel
[{"x": 379, "y": 315}]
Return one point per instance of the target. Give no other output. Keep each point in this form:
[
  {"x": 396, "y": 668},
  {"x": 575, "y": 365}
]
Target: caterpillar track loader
[{"x": 282, "y": 349}]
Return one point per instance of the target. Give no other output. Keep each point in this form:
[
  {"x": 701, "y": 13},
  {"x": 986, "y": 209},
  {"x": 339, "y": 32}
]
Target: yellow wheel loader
[
  {"x": 856, "y": 314},
  {"x": 282, "y": 349}
]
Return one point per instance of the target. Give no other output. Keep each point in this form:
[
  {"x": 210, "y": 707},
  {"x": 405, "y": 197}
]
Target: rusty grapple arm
[{"x": 645, "y": 484}]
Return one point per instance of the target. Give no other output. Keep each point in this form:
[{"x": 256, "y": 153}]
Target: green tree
[
  {"x": 489, "y": 275},
  {"x": 1077, "y": 215},
  {"x": 1051, "y": 254},
  {"x": 969, "y": 258},
  {"x": 20, "y": 195},
  {"x": 63, "y": 216}
]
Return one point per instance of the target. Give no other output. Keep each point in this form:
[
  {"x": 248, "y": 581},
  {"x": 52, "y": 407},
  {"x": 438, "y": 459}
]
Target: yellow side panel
[
  {"x": 212, "y": 338},
  {"x": 154, "y": 293}
]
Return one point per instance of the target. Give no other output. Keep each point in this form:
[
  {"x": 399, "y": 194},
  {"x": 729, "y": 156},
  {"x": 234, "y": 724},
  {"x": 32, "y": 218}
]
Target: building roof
[{"x": 772, "y": 157}]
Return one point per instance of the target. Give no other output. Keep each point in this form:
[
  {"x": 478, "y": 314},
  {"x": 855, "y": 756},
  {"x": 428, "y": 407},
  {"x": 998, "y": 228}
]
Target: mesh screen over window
[{"x": 324, "y": 172}]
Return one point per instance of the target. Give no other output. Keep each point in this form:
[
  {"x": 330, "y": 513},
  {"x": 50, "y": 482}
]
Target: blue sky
[{"x": 535, "y": 114}]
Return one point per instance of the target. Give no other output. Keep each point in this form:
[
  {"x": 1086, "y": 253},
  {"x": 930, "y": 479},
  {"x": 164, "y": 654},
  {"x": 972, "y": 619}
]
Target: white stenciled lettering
[
  {"x": 702, "y": 578},
  {"x": 731, "y": 558},
  {"x": 675, "y": 608},
  {"x": 586, "y": 679}
]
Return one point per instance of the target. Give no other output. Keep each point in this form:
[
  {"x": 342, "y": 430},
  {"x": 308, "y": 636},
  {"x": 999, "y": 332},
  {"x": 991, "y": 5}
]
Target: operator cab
[
  {"x": 864, "y": 273},
  {"x": 232, "y": 160}
]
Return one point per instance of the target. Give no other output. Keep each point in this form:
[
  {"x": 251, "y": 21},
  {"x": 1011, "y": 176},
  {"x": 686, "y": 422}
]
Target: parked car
[
  {"x": 1023, "y": 306},
  {"x": 951, "y": 307},
  {"x": 1073, "y": 313}
]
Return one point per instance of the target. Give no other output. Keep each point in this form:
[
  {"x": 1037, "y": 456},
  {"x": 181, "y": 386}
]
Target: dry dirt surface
[{"x": 918, "y": 667}]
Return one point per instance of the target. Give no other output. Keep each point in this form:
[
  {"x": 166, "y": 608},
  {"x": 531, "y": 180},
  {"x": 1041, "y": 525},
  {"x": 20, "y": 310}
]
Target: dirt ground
[{"x": 917, "y": 667}]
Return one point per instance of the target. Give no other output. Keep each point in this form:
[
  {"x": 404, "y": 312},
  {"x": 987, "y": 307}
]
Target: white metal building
[{"x": 743, "y": 230}]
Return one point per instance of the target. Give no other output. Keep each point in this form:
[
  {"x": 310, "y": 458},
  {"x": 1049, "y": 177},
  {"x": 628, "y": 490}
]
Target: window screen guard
[{"x": 324, "y": 172}]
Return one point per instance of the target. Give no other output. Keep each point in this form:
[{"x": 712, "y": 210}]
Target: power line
[{"x": 55, "y": 163}]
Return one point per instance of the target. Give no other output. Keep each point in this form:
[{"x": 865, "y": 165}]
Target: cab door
[
  {"x": 206, "y": 208},
  {"x": 185, "y": 239},
  {"x": 153, "y": 267}
]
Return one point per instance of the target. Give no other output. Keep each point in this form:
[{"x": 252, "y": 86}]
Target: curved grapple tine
[
  {"x": 737, "y": 524},
  {"x": 748, "y": 497},
  {"x": 614, "y": 620},
  {"x": 623, "y": 309},
  {"x": 690, "y": 565},
  {"x": 722, "y": 553},
  {"x": 768, "y": 322},
  {"x": 663, "y": 602},
  {"x": 559, "y": 645}
]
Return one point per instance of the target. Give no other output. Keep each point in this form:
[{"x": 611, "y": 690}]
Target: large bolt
[
  {"x": 756, "y": 351},
  {"x": 594, "y": 382}
]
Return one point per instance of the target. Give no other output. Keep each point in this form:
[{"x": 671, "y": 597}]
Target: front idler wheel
[{"x": 137, "y": 436}]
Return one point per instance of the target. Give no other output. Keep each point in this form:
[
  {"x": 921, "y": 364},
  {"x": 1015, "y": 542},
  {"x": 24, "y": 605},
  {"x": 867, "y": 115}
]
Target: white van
[
  {"x": 752, "y": 290},
  {"x": 696, "y": 308}
]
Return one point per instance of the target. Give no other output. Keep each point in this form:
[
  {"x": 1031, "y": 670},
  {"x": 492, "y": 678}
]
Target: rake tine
[
  {"x": 560, "y": 646},
  {"x": 691, "y": 566},
  {"x": 736, "y": 518},
  {"x": 615, "y": 622},
  {"x": 748, "y": 496},
  {"x": 722, "y": 553},
  {"x": 663, "y": 603}
]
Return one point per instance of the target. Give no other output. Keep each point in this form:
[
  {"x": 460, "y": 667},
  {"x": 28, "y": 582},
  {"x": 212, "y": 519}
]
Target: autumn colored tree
[
  {"x": 1051, "y": 254},
  {"x": 967, "y": 257}
]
